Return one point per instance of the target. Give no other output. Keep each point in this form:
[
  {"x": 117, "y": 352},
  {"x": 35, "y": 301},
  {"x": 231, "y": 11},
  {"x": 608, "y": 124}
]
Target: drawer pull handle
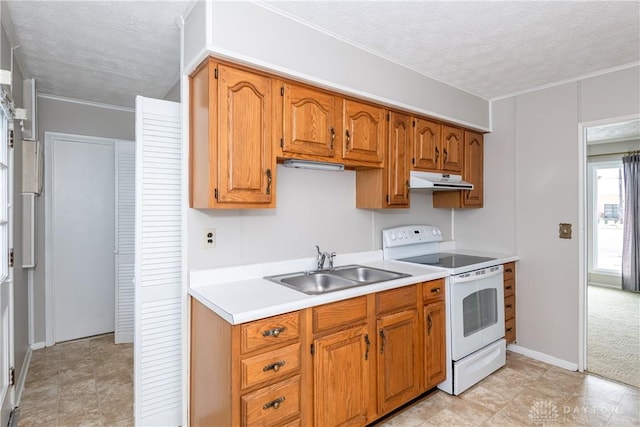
[
  {"x": 509, "y": 329},
  {"x": 275, "y": 404},
  {"x": 435, "y": 290},
  {"x": 508, "y": 270},
  {"x": 274, "y": 332},
  {"x": 509, "y": 287},
  {"x": 275, "y": 367},
  {"x": 508, "y": 306}
]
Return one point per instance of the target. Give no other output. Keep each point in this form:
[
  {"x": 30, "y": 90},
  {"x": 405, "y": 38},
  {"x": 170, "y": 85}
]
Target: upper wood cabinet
[
  {"x": 232, "y": 165},
  {"x": 364, "y": 132},
  {"x": 309, "y": 119},
  {"x": 472, "y": 172},
  {"x": 388, "y": 187},
  {"x": 436, "y": 147}
]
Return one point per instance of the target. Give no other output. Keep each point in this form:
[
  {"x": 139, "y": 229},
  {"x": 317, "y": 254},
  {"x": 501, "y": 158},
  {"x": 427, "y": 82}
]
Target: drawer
[
  {"x": 271, "y": 405},
  {"x": 330, "y": 316},
  {"x": 509, "y": 271},
  {"x": 294, "y": 423},
  {"x": 396, "y": 299},
  {"x": 271, "y": 365},
  {"x": 433, "y": 290},
  {"x": 509, "y": 307},
  {"x": 510, "y": 330},
  {"x": 509, "y": 287},
  {"x": 270, "y": 332}
]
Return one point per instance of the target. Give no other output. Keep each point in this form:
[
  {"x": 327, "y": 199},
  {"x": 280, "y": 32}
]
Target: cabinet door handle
[
  {"x": 268, "y": 182},
  {"x": 429, "y": 324},
  {"x": 274, "y": 332},
  {"x": 275, "y": 367},
  {"x": 348, "y": 137},
  {"x": 437, "y": 154},
  {"x": 368, "y": 343},
  {"x": 444, "y": 150},
  {"x": 333, "y": 136},
  {"x": 275, "y": 404},
  {"x": 384, "y": 341}
]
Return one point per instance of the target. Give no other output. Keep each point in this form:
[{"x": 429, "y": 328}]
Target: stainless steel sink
[{"x": 323, "y": 281}]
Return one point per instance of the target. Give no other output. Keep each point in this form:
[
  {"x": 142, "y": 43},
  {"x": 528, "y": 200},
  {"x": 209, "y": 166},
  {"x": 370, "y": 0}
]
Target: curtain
[{"x": 631, "y": 218}]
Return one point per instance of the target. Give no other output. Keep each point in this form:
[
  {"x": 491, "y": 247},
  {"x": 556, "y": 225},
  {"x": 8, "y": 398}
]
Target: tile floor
[{"x": 89, "y": 383}]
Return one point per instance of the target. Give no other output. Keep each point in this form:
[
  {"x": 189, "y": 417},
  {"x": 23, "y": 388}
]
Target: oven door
[{"x": 477, "y": 310}]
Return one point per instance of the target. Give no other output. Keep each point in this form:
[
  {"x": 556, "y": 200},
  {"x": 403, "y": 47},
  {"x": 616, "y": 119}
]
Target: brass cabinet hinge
[
  {"x": 12, "y": 376},
  {"x": 215, "y": 194},
  {"x": 215, "y": 73},
  {"x": 388, "y": 117},
  {"x": 281, "y": 142},
  {"x": 387, "y": 198},
  {"x": 281, "y": 90},
  {"x": 414, "y": 123},
  {"x": 11, "y": 257},
  {"x": 413, "y": 160},
  {"x": 313, "y": 349}
]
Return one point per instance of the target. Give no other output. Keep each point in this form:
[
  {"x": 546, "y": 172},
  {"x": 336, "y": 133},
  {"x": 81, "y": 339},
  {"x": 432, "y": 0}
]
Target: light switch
[{"x": 565, "y": 231}]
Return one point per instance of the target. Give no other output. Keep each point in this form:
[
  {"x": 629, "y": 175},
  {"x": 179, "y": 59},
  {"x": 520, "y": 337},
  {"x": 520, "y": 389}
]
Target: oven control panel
[{"x": 410, "y": 235}]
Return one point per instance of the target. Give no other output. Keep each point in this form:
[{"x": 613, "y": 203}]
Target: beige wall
[
  {"x": 73, "y": 117},
  {"x": 532, "y": 169}
]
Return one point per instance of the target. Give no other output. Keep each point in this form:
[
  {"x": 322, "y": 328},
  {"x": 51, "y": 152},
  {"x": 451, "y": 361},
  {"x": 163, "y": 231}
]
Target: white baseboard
[
  {"x": 543, "y": 357},
  {"x": 38, "y": 345},
  {"x": 123, "y": 337},
  {"x": 22, "y": 379}
]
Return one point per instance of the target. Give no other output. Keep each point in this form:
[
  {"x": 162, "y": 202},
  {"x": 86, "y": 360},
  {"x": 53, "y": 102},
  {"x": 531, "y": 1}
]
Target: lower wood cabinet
[{"x": 345, "y": 363}]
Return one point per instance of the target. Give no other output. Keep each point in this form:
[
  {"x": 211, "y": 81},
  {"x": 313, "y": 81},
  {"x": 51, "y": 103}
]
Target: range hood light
[{"x": 305, "y": 164}]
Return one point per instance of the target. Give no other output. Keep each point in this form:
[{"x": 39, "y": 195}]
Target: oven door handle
[{"x": 462, "y": 278}]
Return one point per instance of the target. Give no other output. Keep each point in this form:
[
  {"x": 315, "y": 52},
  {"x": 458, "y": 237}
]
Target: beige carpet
[{"x": 613, "y": 337}]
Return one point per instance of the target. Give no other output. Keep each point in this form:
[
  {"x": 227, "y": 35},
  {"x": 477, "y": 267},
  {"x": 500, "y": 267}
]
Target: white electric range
[{"x": 474, "y": 299}]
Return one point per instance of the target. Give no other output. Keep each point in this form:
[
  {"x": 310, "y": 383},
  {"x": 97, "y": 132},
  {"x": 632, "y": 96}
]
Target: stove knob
[
  {"x": 434, "y": 231},
  {"x": 393, "y": 236}
]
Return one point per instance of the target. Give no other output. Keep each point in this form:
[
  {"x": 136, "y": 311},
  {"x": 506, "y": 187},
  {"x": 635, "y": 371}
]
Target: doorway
[
  {"x": 611, "y": 316},
  {"x": 80, "y": 237}
]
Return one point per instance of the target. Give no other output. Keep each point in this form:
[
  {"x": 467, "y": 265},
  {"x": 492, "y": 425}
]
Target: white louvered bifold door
[
  {"x": 125, "y": 239},
  {"x": 158, "y": 264}
]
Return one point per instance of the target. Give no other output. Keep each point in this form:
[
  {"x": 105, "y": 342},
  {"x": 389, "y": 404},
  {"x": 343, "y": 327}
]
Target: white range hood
[{"x": 437, "y": 182}]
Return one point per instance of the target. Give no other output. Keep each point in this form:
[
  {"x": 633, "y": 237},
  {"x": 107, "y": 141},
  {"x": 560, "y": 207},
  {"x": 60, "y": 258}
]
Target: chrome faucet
[{"x": 322, "y": 256}]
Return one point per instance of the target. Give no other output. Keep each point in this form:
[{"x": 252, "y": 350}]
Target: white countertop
[{"x": 239, "y": 294}]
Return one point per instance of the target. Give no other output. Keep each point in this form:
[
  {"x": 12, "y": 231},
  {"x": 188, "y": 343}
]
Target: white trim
[
  {"x": 22, "y": 379},
  {"x": 569, "y": 80},
  {"x": 38, "y": 345},
  {"x": 49, "y": 286},
  {"x": 31, "y": 306},
  {"x": 543, "y": 357},
  {"x": 87, "y": 103}
]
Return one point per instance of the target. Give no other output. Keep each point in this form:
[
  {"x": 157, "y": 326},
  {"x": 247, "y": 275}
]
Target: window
[{"x": 608, "y": 204}]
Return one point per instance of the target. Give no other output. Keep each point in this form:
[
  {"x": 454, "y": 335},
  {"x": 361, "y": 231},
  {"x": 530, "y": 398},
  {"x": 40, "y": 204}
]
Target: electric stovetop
[{"x": 447, "y": 260}]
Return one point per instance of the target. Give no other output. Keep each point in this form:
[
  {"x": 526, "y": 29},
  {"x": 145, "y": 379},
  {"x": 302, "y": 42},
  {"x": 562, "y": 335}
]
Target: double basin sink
[{"x": 322, "y": 281}]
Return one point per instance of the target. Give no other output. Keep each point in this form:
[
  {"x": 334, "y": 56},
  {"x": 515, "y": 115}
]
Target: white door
[
  {"x": 6, "y": 279},
  {"x": 83, "y": 206}
]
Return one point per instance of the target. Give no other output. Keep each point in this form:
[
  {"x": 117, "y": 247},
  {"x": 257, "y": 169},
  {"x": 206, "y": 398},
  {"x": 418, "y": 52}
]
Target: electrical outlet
[{"x": 210, "y": 238}]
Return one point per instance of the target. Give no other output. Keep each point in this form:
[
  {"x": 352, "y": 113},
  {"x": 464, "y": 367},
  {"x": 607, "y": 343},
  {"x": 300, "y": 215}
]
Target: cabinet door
[
  {"x": 308, "y": 121},
  {"x": 398, "y": 159},
  {"x": 398, "y": 359},
  {"x": 452, "y": 149},
  {"x": 341, "y": 378},
  {"x": 245, "y": 165},
  {"x": 434, "y": 344},
  {"x": 473, "y": 168},
  {"x": 426, "y": 150},
  {"x": 364, "y": 131}
]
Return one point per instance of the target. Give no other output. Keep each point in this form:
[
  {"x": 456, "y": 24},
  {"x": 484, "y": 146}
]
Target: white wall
[
  {"x": 247, "y": 32},
  {"x": 313, "y": 208},
  {"x": 73, "y": 117},
  {"x": 543, "y": 168}
]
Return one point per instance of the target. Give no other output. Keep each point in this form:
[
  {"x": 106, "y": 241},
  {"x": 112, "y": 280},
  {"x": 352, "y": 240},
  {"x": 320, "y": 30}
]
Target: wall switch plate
[
  {"x": 210, "y": 238},
  {"x": 565, "y": 231}
]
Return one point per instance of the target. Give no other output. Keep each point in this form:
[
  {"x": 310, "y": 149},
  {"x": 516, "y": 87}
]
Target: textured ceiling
[
  {"x": 625, "y": 131},
  {"x": 487, "y": 48},
  {"x": 108, "y": 51},
  {"x": 100, "y": 51}
]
